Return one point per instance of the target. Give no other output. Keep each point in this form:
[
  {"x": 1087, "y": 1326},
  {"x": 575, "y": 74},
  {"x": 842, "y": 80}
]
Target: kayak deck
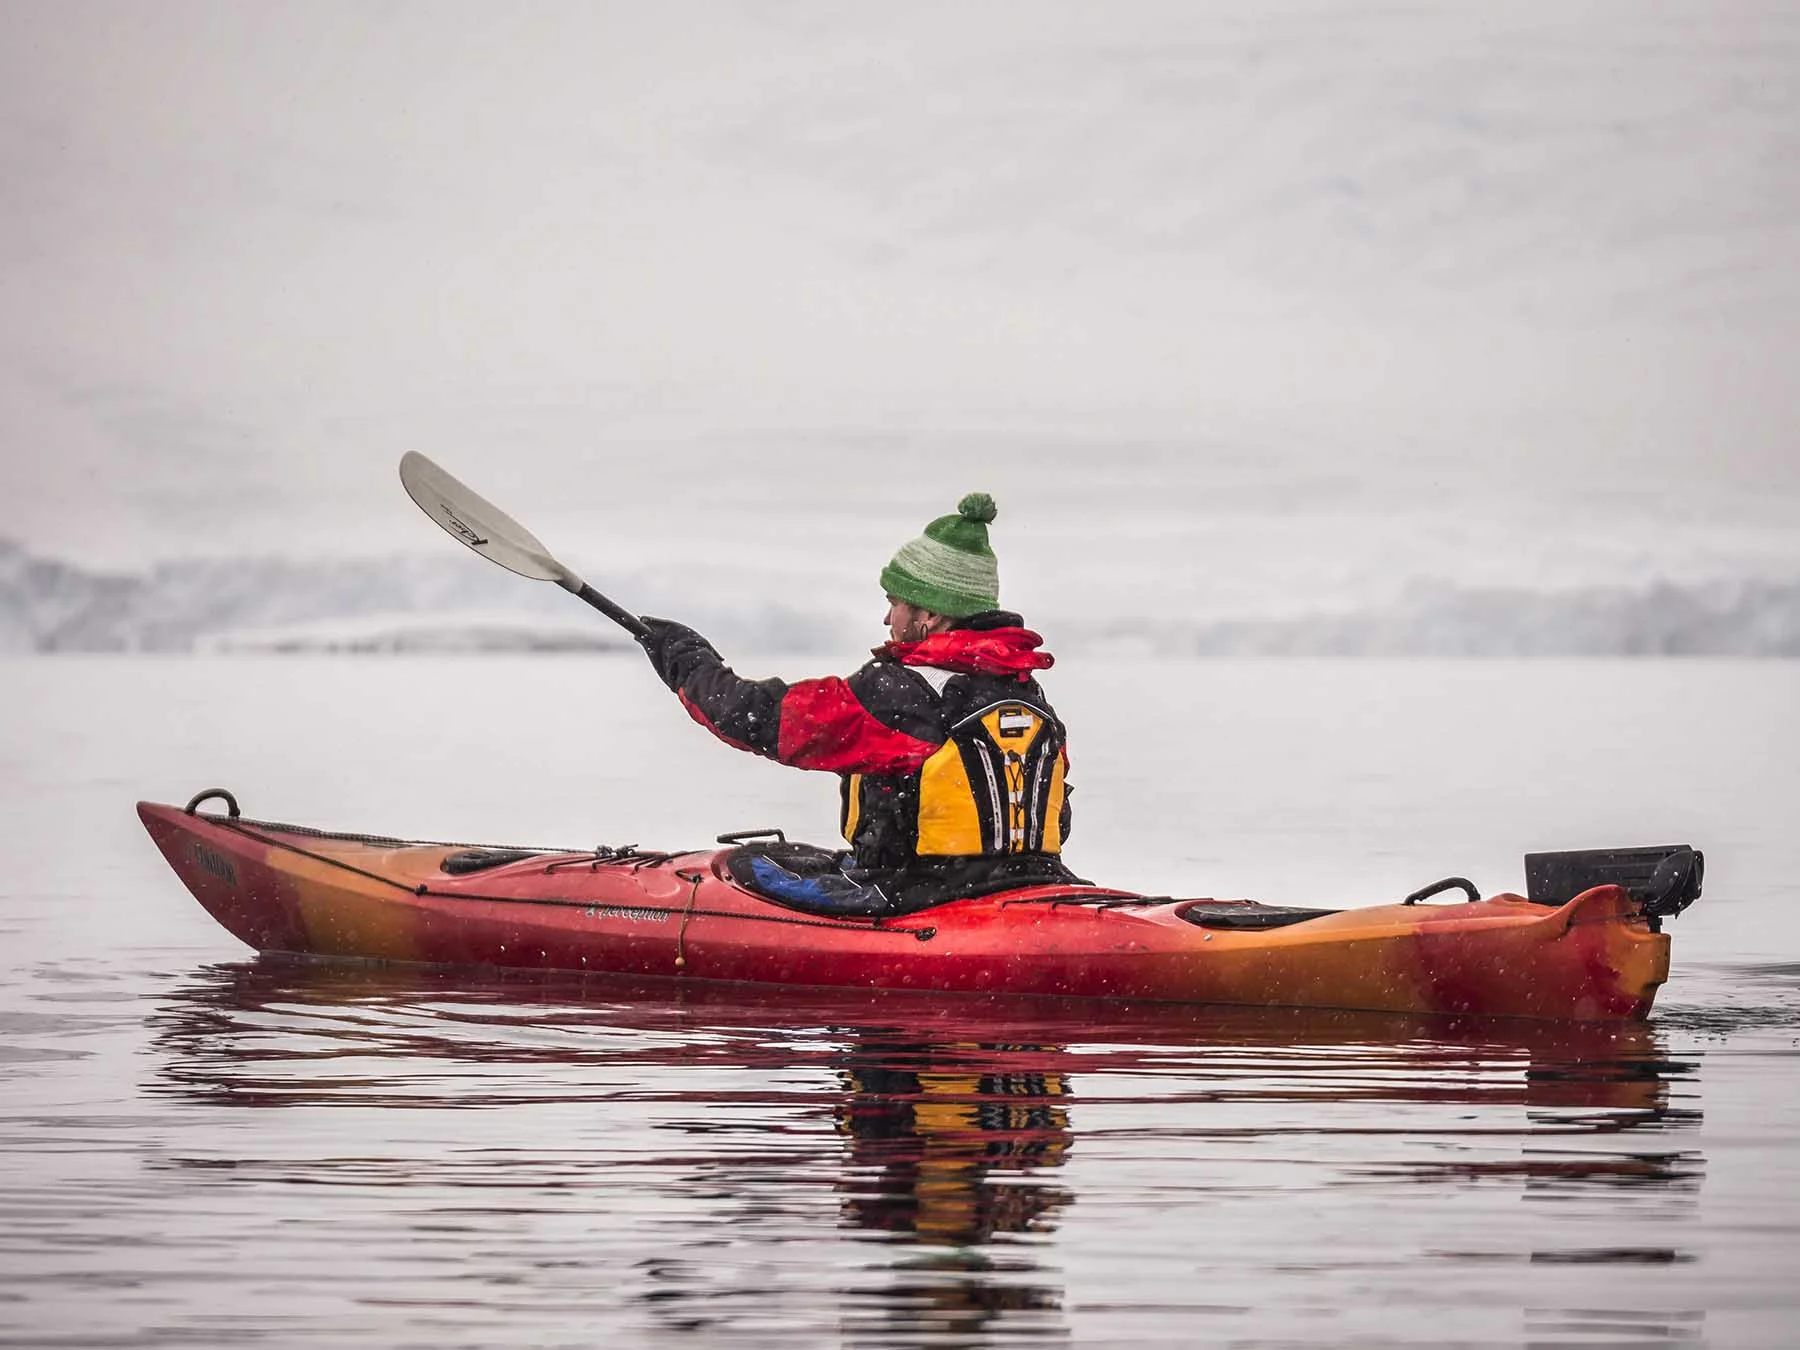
[{"x": 292, "y": 890}]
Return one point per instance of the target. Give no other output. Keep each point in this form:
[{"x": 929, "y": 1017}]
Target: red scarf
[{"x": 985, "y": 651}]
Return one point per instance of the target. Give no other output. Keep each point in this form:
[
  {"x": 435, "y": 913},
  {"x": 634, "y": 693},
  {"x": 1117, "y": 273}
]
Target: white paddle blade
[{"x": 478, "y": 523}]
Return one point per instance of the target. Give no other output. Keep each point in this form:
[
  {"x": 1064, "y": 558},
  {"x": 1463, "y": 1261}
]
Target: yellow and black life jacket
[{"x": 995, "y": 787}]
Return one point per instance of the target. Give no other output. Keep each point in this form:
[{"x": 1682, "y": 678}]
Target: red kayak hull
[{"x": 282, "y": 889}]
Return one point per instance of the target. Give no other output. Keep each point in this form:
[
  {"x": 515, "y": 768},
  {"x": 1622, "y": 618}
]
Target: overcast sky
[{"x": 1196, "y": 278}]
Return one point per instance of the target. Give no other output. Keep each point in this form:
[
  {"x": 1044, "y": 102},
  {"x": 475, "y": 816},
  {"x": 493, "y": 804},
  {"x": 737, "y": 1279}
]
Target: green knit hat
[{"x": 949, "y": 569}]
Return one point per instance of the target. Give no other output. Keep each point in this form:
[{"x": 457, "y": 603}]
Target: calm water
[{"x": 202, "y": 1148}]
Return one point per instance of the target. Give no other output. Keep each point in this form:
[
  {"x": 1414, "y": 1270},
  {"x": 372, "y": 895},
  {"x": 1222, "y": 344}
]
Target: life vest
[{"x": 994, "y": 787}]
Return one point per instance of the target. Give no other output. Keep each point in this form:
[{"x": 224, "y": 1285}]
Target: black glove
[{"x": 675, "y": 650}]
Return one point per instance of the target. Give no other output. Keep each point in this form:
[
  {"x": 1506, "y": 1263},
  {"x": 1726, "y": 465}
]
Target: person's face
[{"x": 907, "y": 623}]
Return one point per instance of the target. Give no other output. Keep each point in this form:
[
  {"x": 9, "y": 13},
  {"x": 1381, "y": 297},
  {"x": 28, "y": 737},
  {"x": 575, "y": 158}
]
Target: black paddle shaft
[{"x": 623, "y": 617}]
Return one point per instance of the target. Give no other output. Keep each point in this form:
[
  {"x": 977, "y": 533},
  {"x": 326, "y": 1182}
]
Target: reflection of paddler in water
[{"x": 944, "y": 1138}]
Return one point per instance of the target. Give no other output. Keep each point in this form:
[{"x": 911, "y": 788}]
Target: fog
[{"x": 1236, "y": 309}]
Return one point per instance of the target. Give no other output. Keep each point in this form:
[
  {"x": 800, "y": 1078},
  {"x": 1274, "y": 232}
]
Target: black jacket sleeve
[{"x": 745, "y": 713}]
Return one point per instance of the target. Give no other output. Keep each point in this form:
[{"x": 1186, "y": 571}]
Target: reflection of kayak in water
[
  {"x": 1010, "y": 1062},
  {"x": 1597, "y": 954},
  {"x": 947, "y": 1136}
]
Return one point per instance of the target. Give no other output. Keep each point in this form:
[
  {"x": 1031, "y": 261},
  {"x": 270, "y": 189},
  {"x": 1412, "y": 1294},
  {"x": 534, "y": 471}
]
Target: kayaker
[{"x": 953, "y": 763}]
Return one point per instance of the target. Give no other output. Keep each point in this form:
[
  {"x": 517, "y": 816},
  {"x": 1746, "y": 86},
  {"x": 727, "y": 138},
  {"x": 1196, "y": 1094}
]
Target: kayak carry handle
[
  {"x": 1447, "y": 884},
  {"x": 230, "y": 801},
  {"x": 745, "y": 836}
]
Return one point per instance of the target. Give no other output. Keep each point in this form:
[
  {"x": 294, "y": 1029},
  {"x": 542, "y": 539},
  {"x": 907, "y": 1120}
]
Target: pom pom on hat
[
  {"x": 950, "y": 569},
  {"x": 977, "y": 506}
]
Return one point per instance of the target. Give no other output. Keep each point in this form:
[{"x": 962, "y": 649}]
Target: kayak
[{"x": 1597, "y": 952}]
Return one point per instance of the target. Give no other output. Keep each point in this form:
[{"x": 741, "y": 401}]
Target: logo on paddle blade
[{"x": 473, "y": 537}]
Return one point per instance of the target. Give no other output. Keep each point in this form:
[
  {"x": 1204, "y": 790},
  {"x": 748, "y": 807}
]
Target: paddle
[{"x": 496, "y": 536}]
